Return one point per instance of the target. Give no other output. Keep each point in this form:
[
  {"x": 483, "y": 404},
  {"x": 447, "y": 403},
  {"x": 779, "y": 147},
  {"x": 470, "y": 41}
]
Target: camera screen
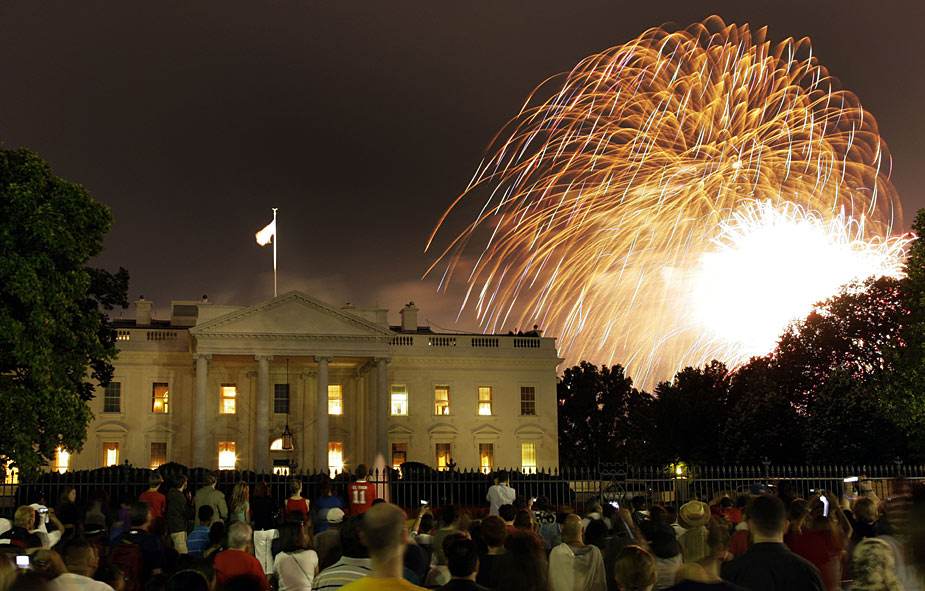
[{"x": 22, "y": 561}]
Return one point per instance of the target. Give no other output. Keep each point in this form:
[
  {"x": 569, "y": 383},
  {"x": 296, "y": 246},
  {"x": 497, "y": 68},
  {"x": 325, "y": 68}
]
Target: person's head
[
  {"x": 205, "y": 514},
  {"x": 239, "y": 535},
  {"x": 874, "y": 566},
  {"x": 68, "y": 495},
  {"x": 209, "y": 480},
  {"x": 797, "y": 512},
  {"x": 767, "y": 517},
  {"x": 594, "y": 507},
  {"x": 361, "y": 472},
  {"x": 671, "y": 512},
  {"x": 155, "y": 480},
  {"x": 493, "y": 531},
  {"x": 638, "y": 503},
  {"x": 462, "y": 557},
  {"x": 261, "y": 489},
  {"x": 293, "y": 537},
  {"x": 718, "y": 537},
  {"x": 295, "y": 487},
  {"x": 865, "y": 510},
  {"x": 334, "y": 516},
  {"x": 350, "y": 543},
  {"x": 244, "y": 583},
  {"x": 81, "y": 558},
  {"x": 189, "y": 579},
  {"x": 217, "y": 533},
  {"x": 504, "y": 477},
  {"x": 522, "y": 520},
  {"x": 523, "y": 565},
  {"x": 634, "y": 569},
  {"x": 449, "y": 515},
  {"x": 24, "y": 517},
  {"x": 377, "y": 501},
  {"x": 658, "y": 515},
  {"x": 139, "y": 515},
  {"x": 179, "y": 482},
  {"x": 427, "y": 523},
  {"x": 596, "y": 533},
  {"x": 239, "y": 495},
  {"x": 383, "y": 531},
  {"x": 572, "y": 530},
  {"x": 507, "y": 513}
]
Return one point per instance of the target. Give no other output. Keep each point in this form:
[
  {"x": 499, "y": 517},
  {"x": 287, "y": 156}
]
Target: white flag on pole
[{"x": 269, "y": 232}]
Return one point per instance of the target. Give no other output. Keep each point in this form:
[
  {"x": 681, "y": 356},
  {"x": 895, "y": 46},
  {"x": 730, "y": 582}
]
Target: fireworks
[{"x": 675, "y": 199}]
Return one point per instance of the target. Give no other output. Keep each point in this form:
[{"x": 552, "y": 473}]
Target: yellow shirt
[{"x": 377, "y": 584}]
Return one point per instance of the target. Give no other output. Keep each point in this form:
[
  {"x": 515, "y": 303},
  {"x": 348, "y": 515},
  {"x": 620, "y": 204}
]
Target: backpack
[{"x": 127, "y": 556}]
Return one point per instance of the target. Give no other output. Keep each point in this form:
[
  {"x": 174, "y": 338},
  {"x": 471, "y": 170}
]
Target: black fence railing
[{"x": 416, "y": 484}]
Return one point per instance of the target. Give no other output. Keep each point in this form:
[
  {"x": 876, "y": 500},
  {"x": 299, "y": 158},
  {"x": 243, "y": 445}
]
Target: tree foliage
[{"x": 55, "y": 344}]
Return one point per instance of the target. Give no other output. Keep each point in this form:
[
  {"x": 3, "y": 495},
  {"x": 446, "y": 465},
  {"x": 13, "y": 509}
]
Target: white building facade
[{"x": 216, "y": 386}]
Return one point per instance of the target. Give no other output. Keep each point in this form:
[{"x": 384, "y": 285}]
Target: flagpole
[{"x": 275, "y": 240}]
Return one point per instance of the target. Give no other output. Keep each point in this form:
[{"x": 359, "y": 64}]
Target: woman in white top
[{"x": 296, "y": 566}]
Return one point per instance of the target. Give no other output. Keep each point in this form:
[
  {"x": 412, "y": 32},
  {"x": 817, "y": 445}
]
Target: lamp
[{"x": 287, "y": 434}]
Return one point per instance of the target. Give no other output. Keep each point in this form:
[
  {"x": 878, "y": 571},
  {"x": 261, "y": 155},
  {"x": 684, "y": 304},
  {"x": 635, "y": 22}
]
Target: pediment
[
  {"x": 487, "y": 431},
  {"x": 291, "y": 314},
  {"x": 530, "y": 430}
]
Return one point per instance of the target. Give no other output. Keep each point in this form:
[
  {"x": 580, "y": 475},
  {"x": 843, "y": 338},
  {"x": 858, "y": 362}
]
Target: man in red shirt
[
  {"x": 237, "y": 560},
  {"x": 361, "y": 494},
  {"x": 156, "y": 502}
]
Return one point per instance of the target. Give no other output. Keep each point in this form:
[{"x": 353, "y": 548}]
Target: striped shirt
[{"x": 345, "y": 570}]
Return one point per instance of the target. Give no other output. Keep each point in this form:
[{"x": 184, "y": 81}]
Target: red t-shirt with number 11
[{"x": 361, "y": 495}]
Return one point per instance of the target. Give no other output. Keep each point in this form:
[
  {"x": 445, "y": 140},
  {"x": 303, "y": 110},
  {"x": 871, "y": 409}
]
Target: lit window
[
  {"x": 229, "y": 395},
  {"x": 399, "y": 401},
  {"x": 227, "y": 458},
  {"x": 158, "y": 456},
  {"x": 110, "y": 453},
  {"x": 485, "y": 400},
  {"x": 335, "y": 399},
  {"x": 527, "y": 400},
  {"x": 280, "y": 399},
  {"x": 12, "y": 474},
  {"x": 443, "y": 456},
  {"x": 281, "y": 467},
  {"x": 399, "y": 455},
  {"x": 442, "y": 400},
  {"x": 335, "y": 457},
  {"x": 486, "y": 457},
  {"x": 62, "y": 460},
  {"x": 160, "y": 398},
  {"x": 277, "y": 444},
  {"x": 112, "y": 397},
  {"x": 528, "y": 457}
]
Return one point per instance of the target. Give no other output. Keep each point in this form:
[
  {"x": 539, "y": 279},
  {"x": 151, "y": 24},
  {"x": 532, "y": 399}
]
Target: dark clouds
[{"x": 360, "y": 121}]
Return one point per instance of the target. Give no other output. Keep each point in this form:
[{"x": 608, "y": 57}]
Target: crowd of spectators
[{"x": 170, "y": 539}]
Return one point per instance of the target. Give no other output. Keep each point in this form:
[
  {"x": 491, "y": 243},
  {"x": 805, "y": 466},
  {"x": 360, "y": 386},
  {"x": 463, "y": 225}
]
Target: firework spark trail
[{"x": 608, "y": 198}]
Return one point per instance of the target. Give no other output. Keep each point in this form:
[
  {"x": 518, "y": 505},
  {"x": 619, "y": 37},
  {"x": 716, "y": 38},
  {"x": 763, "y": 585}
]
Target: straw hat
[{"x": 695, "y": 513}]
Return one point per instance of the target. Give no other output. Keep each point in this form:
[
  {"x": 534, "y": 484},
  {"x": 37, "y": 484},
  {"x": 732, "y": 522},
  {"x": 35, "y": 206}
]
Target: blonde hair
[
  {"x": 634, "y": 569},
  {"x": 874, "y": 566},
  {"x": 24, "y": 517},
  {"x": 239, "y": 496}
]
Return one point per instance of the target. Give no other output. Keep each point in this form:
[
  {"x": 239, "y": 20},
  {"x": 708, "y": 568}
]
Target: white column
[
  {"x": 382, "y": 409},
  {"x": 321, "y": 414},
  {"x": 261, "y": 463},
  {"x": 201, "y": 414}
]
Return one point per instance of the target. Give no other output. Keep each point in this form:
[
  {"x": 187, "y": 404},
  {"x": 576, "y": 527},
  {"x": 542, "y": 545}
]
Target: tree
[
  {"x": 55, "y": 342},
  {"x": 602, "y": 417}
]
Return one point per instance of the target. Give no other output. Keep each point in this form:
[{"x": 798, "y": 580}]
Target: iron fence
[{"x": 416, "y": 484}]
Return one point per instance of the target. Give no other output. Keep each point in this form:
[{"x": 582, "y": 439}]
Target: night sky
[{"x": 359, "y": 120}]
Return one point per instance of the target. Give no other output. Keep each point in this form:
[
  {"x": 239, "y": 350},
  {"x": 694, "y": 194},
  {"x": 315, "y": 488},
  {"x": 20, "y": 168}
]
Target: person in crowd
[
  {"x": 138, "y": 552},
  {"x": 189, "y": 579},
  {"x": 768, "y": 565},
  {"x": 423, "y": 528},
  {"x": 209, "y": 495},
  {"x": 693, "y": 577},
  {"x": 385, "y": 536},
  {"x": 111, "y": 575},
  {"x": 634, "y": 569},
  {"x": 493, "y": 532},
  {"x": 595, "y": 511},
  {"x": 296, "y": 503},
  {"x": 81, "y": 561},
  {"x": 597, "y": 534},
  {"x": 198, "y": 539},
  {"x": 696, "y": 515},
  {"x": 67, "y": 511},
  {"x": 240, "y": 509},
  {"x": 449, "y": 524},
  {"x": 718, "y": 549},
  {"x": 177, "y": 513},
  {"x": 327, "y": 543},
  {"x": 263, "y": 510},
  {"x": 217, "y": 533},
  {"x": 508, "y": 513},
  {"x": 574, "y": 566},
  {"x": 664, "y": 546},
  {"x": 354, "y": 560},
  {"x": 523, "y": 520},
  {"x": 523, "y": 566},
  {"x": 500, "y": 493},
  {"x": 439, "y": 574},
  {"x": 873, "y": 565},
  {"x": 237, "y": 560},
  {"x": 23, "y": 523},
  {"x": 462, "y": 556},
  {"x": 865, "y": 517},
  {"x": 673, "y": 520},
  {"x": 548, "y": 528},
  {"x": 326, "y": 501},
  {"x": 640, "y": 515},
  {"x": 361, "y": 494},
  {"x": 797, "y": 513},
  {"x": 296, "y": 566},
  {"x": 823, "y": 539},
  {"x": 899, "y": 530},
  {"x": 156, "y": 501}
]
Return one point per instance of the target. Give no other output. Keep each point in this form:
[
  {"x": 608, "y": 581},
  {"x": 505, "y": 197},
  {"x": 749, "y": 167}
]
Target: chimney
[
  {"x": 143, "y": 311},
  {"x": 409, "y": 318}
]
